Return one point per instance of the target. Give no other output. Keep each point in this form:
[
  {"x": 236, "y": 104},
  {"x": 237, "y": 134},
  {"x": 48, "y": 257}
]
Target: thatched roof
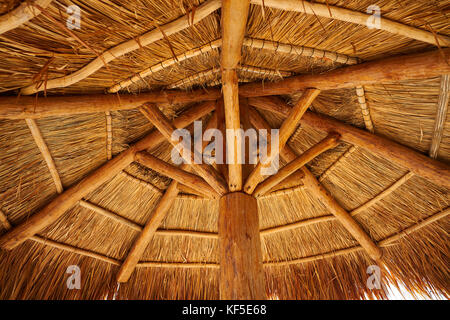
[{"x": 405, "y": 214}]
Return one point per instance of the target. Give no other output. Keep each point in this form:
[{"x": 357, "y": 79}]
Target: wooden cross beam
[
  {"x": 179, "y": 175},
  {"x": 323, "y": 195},
  {"x": 287, "y": 129},
  {"x": 157, "y": 216},
  {"x": 430, "y": 169},
  {"x": 159, "y": 120},
  {"x": 234, "y": 21},
  {"x": 64, "y": 201},
  {"x": 331, "y": 141}
]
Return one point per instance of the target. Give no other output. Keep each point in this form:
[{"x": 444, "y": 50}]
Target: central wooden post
[{"x": 241, "y": 268}]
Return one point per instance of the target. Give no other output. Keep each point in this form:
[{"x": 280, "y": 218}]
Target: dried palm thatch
[{"x": 307, "y": 253}]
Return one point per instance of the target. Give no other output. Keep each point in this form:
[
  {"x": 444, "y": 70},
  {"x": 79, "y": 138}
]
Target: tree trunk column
[{"x": 241, "y": 268}]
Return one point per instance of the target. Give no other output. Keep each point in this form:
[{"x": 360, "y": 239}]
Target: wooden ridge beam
[
  {"x": 64, "y": 201},
  {"x": 421, "y": 165},
  {"x": 332, "y": 205},
  {"x": 287, "y": 129},
  {"x": 403, "y": 67},
  {"x": 234, "y": 22},
  {"x": 331, "y": 141},
  {"x": 159, "y": 120},
  {"x": 25, "y": 107},
  {"x": 352, "y": 16},
  {"x": 191, "y": 180}
]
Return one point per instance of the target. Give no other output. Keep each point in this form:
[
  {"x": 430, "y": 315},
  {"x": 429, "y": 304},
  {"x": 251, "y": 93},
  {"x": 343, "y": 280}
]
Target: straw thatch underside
[{"x": 403, "y": 111}]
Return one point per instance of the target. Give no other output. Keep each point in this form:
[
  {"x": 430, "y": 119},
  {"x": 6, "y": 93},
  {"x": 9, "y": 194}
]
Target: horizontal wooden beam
[
  {"x": 171, "y": 171},
  {"x": 430, "y": 169},
  {"x": 404, "y": 67},
  {"x": 331, "y": 141},
  {"x": 24, "y": 107},
  {"x": 64, "y": 201}
]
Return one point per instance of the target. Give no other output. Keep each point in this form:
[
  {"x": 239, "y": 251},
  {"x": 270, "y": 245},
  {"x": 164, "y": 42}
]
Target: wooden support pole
[
  {"x": 287, "y": 129},
  {"x": 63, "y": 202},
  {"x": 324, "y": 196},
  {"x": 430, "y": 169},
  {"x": 329, "y": 142},
  {"x": 234, "y": 22},
  {"x": 159, "y": 120},
  {"x": 241, "y": 268},
  {"x": 184, "y": 177},
  {"x": 405, "y": 67}
]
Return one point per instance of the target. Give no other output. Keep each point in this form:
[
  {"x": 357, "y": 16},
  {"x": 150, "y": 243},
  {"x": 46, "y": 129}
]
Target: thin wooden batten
[
  {"x": 352, "y": 16},
  {"x": 441, "y": 115},
  {"x": 430, "y": 169},
  {"x": 157, "y": 264},
  {"x": 331, "y": 141},
  {"x": 58, "y": 206},
  {"x": 37, "y": 136},
  {"x": 191, "y": 18},
  {"x": 286, "y": 130},
  {"x": 22, "y": 14}
]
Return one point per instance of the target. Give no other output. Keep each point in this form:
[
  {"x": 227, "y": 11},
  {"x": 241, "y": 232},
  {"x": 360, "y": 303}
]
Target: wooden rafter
[
  {"x": 430, "y": 169},
  {"x": 331, "y": 141},
  {"x": 204, "y": 10},
  {"x": 287, "y": 129},
  {"x": 342, "y": 14},
  {"x": 58, "y": 206},
  {"x": 441, "y": 115},
  {"x": 234, "y": 22},
  {"x": 273, "y": 46},
  {"x": 404, "y": 67},
  {"x": 39, "y": 140},
  {"x": 158, "y": 213},
  {"x": 171, "y": 171},
  {"x": 332, "y": 205},
  {"x": 360, "y": 92},
  {"x": 22, "y": 14},
  {"x": 214, "y": 71},
  {"x": 208, "y": 173}
]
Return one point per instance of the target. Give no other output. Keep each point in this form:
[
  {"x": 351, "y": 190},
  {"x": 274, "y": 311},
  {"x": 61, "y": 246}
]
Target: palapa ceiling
[{"x": 307, "y": 253}]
